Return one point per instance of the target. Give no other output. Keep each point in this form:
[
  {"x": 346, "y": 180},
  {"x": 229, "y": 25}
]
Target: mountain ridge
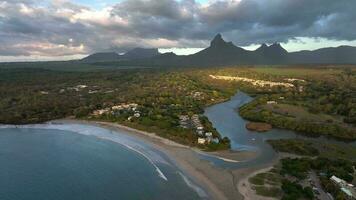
[{"x": 222, "y": 53}]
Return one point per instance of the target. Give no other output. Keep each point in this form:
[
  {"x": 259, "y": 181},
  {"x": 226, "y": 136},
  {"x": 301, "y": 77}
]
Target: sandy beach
[{"x": 220, "y": 183}]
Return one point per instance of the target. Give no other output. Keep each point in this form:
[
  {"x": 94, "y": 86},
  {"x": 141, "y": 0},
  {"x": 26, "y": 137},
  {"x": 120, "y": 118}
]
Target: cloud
[{"x": 61, "y": 28}]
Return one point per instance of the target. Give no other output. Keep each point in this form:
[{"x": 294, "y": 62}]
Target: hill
[{"x": 134, "y": 54}]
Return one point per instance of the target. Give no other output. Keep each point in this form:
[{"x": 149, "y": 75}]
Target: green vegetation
[
  {"x": 314, "y": 148},
  {"x": 299, "y": 167},
  {"x": 267, "y": 191},
  {"x": 295, "y": 146},
  {"x": 293, "y": 190},
  {"x": 322, "y": 101},
  {"x": 265, "y": 178},
  {"x": 291, "y": 178},
  {"x": 267, "y": 184},
  {"x": 295, "y": 167},
  {"x": 36, "y": 95}
]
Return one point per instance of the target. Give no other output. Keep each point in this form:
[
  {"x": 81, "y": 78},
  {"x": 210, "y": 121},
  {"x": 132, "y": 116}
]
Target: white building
[
  {"x": 271, "y": 102},
  {"x": 201, "y": 141},
  {"x": 209, "y": 134},
  {"x": 337, "y": 180}
]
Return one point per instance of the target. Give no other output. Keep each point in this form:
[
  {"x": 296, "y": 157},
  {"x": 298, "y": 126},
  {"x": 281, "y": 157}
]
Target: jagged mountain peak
[
  {"x": 218, "y": 41},
  {"x": 277, "y": 47},
  {"x": 263, "y": 47}
]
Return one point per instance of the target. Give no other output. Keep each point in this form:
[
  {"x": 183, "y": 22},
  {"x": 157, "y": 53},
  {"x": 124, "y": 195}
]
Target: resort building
[
  {"x": 201, "y": 141},
  {"x": 209, "y": 134},
  {"x": 348, "y": 189},
  {"x": 101, "y": 112},
  {"x": 137, "y": 114},
  {"x": 271, "y": 102}
]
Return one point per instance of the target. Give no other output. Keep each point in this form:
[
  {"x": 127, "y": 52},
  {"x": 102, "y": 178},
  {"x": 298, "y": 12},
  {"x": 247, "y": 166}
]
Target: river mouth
[
  {"x": 226, "y": 119},
  {"x": 76, "y": 161}
]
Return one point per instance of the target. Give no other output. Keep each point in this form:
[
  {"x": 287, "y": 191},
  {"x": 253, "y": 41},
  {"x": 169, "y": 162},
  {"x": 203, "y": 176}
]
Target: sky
[{"x": 70, "y": 29}]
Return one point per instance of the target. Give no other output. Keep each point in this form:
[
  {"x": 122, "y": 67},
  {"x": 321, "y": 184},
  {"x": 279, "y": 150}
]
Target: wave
[
  {"x": 220, "y": 158},
  {"x": 197, "y": 189},
  {"x": 160, "y": 173}
]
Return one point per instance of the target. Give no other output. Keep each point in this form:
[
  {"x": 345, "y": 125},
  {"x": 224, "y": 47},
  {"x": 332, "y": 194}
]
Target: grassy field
[{"x": 267, "y": 184}]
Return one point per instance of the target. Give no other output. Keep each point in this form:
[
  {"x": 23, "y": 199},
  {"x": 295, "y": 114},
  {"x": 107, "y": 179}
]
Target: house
[
  {"x": 200, "y": 133},
  {"x": 184, "y": 117},
  {"x": 201, "y": 141},
  {"x": 137, "y": 114},
  {"x": 271, "y": 102},
  {"x": 300, "y": 88},
  {"x": 101, "y": 112},
  {"x": 346, "y": 188},
  {"x": 200, "y": 128},
  {"x": 118, "y": 107},
  {"x": 337, "y": 180},
  {"x": 209, "y": 134},
  {"x": 93, "y": 91},
  {"x": 81, "y": 86},
  {"x": 347, "y": 192}
]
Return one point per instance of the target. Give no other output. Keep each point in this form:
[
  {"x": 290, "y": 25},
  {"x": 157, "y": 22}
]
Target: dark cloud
[{"x": 59, "y": 27}]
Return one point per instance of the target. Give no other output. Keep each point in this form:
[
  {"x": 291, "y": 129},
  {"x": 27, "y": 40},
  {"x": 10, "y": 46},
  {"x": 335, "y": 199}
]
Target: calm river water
[{"x": 228, "y": 122}]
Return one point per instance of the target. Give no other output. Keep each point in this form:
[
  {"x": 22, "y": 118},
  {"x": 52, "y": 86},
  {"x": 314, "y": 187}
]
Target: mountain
[
  {"x": 102, "y": 57},
  {"x": 222, "y": 53},
  {"x": 139, "y": 53},
  {"x": 274, "y": 54},
  {"x": 136, "y": 53},
  {"x": 332, "y": 55},
  {"x": 219, "y": 53}
]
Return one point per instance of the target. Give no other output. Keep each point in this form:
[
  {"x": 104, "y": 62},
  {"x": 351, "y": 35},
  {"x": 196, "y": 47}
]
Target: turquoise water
[{"x": 53, "y": 162}]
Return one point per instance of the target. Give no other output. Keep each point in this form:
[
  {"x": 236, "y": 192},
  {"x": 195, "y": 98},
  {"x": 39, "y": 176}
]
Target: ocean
[{"x": 76, "y": 161}]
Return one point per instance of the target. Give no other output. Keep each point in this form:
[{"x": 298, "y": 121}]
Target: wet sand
[{"x": 218, "y": 182}]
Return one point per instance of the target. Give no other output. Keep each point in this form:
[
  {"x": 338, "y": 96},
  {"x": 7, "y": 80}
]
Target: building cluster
[
  {"x": 77, "y": 88},
  {"x": 259, "y": 83},
  {"x": 184, "y": 121},
  {"x": 91, "y": 89},
  {"x": 195, "y": 123},
  {"x": 44, "y": 92},
  {"x": 348, "y": 189},
  {"x": 294, "y": 79},
  {"x": 271, "y": 102},
  {"x": 197, "y": 95},
  {"x": 115, "y": 110}
]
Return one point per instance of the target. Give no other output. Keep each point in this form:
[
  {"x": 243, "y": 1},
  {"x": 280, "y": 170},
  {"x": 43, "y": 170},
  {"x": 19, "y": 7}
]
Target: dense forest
[{"x": 37, "y": 95}]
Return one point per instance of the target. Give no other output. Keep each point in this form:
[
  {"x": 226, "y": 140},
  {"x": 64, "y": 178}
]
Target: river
[{"x": 226, "y": 119}]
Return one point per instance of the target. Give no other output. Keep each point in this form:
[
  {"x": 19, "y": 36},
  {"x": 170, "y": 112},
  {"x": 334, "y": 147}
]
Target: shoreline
[{"x": 218, "y": 182}]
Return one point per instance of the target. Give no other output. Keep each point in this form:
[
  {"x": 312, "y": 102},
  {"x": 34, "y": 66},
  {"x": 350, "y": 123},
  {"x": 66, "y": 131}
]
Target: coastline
[{"x": 218, "y": 182}]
